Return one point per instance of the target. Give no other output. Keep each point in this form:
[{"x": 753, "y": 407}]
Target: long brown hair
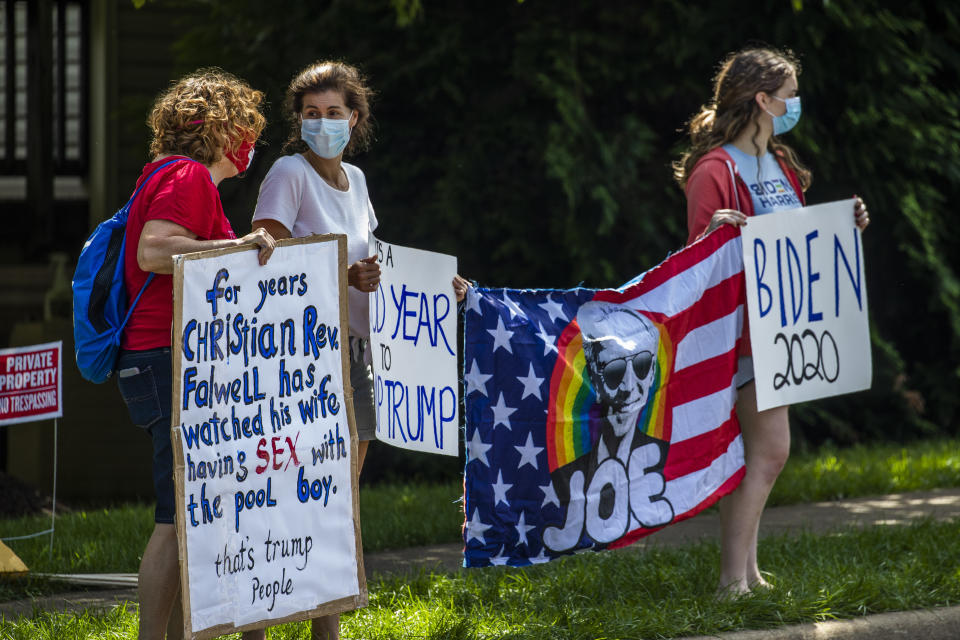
[
  {"x": 733, "y": 108},
  {"x": 326, "y": 76}
]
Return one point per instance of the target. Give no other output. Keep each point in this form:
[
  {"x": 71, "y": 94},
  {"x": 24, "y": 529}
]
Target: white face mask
[{"x": 327, "y": 138}]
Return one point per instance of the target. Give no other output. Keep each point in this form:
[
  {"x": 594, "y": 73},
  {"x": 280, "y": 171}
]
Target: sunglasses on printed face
[{"x": 613, "y": 371}]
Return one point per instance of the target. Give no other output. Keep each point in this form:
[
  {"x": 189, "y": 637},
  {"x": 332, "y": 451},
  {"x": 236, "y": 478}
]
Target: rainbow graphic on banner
[
  {"x": 573, "y": 413},
  {"x": 573, "y": 417},
  {"x": 655, "y": 419}
]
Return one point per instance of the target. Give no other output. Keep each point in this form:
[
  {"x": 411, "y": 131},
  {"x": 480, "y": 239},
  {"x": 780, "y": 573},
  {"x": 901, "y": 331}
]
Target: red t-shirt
[{"x": 183, "y": 193}]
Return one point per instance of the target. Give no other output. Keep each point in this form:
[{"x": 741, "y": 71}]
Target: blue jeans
[{"x": 145, "y": 379}]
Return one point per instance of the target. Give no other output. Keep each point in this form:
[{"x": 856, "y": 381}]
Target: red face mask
[{"x": 242, "y": 157}]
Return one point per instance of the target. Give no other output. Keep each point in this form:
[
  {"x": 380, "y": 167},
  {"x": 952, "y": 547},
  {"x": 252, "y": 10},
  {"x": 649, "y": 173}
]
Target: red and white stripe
[{"x": 699, "y": 295}]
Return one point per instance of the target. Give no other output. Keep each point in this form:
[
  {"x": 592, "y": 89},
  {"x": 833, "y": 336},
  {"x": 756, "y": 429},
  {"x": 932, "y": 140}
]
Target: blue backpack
[{"x": 99, "y": 297}]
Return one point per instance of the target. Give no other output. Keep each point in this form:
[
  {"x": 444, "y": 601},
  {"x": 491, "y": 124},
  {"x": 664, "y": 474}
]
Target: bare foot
[
  {"x": 758, "y": 582},
  {"x": 732, "y": 590}
]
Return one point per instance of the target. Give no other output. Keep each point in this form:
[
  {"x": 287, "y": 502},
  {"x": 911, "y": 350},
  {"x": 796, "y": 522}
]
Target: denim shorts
[
  {"x": 361, "y": 379},
  {"x": 145, "y": 379},
  {"x": 744, "y": 371}
]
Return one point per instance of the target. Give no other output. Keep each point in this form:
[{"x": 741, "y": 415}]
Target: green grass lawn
[
  {"x": 398, "y": 516},
  {"x": 111, "y": 540},
  {"x": 660, "y": 593},
  {"x": 835, "y": 474},
  {"x": 670, "y": 593},
  {"x": 622, "y": 594}
]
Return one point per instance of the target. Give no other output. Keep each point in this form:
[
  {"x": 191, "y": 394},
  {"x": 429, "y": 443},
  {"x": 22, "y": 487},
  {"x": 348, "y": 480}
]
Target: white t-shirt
[
  {"x": 295, "y": 195},
  {"x": 770, "y": 189}
]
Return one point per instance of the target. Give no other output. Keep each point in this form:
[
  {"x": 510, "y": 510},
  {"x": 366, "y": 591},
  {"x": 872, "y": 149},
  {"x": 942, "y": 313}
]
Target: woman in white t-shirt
[{"x": 314, "y": 191}]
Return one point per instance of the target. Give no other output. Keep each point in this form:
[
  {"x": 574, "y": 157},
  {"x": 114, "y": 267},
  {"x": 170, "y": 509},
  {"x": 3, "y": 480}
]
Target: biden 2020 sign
[{"x": 807, "y": 304}]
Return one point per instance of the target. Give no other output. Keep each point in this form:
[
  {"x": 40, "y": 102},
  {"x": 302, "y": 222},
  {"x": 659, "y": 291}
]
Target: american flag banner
[{"x": 596, "y": 417}]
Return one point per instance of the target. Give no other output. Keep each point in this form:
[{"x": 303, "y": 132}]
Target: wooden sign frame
[{"x": 336, "y": 606}]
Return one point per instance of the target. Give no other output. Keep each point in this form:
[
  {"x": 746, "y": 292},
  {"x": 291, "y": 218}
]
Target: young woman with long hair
[{"x": 737, "y": 167}]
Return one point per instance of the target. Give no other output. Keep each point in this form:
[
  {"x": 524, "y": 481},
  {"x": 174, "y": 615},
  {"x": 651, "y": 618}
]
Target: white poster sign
[
  {"x": 264, "y": 438},
  {"x": 807, "y": 304},
  {"x": 413, "y": 342}
]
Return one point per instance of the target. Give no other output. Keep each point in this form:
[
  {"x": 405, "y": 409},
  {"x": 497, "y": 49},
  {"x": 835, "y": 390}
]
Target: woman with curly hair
[
  {"x": 204, "y": 129},
  {"x": 736, "y": 168}
]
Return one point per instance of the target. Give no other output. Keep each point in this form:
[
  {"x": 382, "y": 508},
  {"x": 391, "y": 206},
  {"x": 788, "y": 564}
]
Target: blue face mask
[
  {"x": 782, "y": 124},
  {"x": 327, "y": 138}
]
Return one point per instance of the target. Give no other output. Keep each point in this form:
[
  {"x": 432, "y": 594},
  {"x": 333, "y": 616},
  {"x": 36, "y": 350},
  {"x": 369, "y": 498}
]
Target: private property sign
[{"x": 30, "y": 383}]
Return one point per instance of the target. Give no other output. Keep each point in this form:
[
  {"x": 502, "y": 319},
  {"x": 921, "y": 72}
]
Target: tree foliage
[{"x": 533, "y": 140}]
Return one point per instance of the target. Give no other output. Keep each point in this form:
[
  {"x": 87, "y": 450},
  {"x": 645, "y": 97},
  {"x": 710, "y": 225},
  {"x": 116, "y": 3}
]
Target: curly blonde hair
[
  {"x": 205, "y": 114},
  {"x": 741, "y": 76},
  {"x": 329, "y": 75}
]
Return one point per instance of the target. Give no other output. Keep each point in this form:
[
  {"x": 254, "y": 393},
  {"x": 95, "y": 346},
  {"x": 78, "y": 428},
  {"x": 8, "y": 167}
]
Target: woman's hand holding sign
[
  {"x": 364, "y": 275},
  {"x": 860, "y": 215},
  {"x": 726, "y": 216},
  {"x": 460, "y": 286},
  {"x": 264, "y": 242},
  {"x": 731, "y": 216}
]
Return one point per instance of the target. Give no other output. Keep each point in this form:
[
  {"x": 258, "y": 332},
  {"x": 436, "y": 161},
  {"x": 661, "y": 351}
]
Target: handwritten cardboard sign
[
  {"x": 31, "y": 385},
  {"x": 807, "y": 304},
  {"x": 413, "y": 336},
  {"x": 264, "y": 438}
]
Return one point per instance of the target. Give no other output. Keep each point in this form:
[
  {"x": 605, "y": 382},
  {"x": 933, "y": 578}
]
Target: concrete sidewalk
[
  {"x": 821, "y": 517},
  {"x": 818, "y": 517},
  {"x": 932, "y": 624}
]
